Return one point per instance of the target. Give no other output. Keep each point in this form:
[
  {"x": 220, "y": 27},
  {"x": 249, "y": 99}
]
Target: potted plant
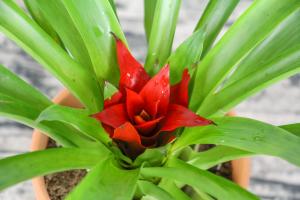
[{"x": 139, "y": 128}]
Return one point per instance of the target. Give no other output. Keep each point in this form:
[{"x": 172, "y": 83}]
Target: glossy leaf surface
[
  {"x": 24, "y": 113},
  {"x": 217, "y": 155},
  {"x": 187, "y": 55},
  {"x": 213, "y": 19},
  {"x": 282, "y": 39},
  {"x": 292, "y": 128},
  {"x": 149, "y": 10},
  {"x": 22, "y": 29},
  {"x": 21, "y": 102},
  {"x": 37, "y": 15},
  {"x": 162, "y": 34},
  {"x": 216, "y": 186},
  {"x": 13, "y": 86},
  {"x": 56, "y": 14},
  {"x": 106, "y": 181},
  {"x": 282, "y": 67},
  {"x": 154, "y": 191},
  {"x": 78, "y": 118},
  {"x": 245, "y": 134},
  {"x": 95, "y": 27},
  {"x": 25, "y": 166},
  {"x": 251, "y": 28}
]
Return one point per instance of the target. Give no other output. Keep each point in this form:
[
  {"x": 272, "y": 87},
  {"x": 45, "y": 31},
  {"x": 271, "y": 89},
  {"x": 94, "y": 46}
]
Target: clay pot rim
[{"x": 240, "y": 167}]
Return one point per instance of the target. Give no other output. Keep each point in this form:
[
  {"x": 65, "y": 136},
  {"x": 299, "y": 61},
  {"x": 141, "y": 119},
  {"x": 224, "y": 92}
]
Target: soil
[
  {"x": 60, "y": 184},
  {"x": 224, "y": 169}
]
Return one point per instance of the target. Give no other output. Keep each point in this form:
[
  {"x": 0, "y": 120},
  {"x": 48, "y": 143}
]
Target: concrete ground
[{"x": 271, "y": 178}]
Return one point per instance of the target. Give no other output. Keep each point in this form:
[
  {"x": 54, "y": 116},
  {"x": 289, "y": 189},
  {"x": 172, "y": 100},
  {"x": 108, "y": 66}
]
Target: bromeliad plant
[{"x": 137, "y": 131}]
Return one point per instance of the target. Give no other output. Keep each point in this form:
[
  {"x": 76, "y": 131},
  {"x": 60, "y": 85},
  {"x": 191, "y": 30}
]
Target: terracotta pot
[{"x": 240, "y": 172}]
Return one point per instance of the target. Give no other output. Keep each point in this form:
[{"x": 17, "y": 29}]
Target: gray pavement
[{"x": 271, "y": 179}]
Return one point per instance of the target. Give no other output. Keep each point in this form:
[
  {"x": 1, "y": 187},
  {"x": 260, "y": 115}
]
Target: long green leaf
[
  {"x": 113, "y": 6},
  {"x": 37, "y": 15},
  {"x": 21, "y": 102},
  {"x": 12, "y": 85},
  {"x": 282, "y": 67},
  {"x": 78, "y": 118},
  {"x": 292, "y": 128},
  {"x": 25, "y": 110},
  {"x": 250, "y": 29},
  {"x": 58, "y": 17},
  {"x": 17, "y": 109},
  {"x": 149, "y": 9},
  {"x": 217, "y": 155},
  {"x": 162, "y": 34},
  {"x": 65, "y": 134},
  {"x": 19, "y": 168},
  {"x": 175, "y": 191},
  {"x": 95, "y": 19},
  {"x": 213, "y": 19},
  {"x": 187, "y": 55},
  {"x": 216, "y": 186},
  {"x": 107, "y": 181},
  {"x": 23, "y": 30},
  {"x": 154, "y": 191},
  {"x": 24, "y": 113},
  {"x": 284, "y": 37},
  {"x": 245, "y": 134}
]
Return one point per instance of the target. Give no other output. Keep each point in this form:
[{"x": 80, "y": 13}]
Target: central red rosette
[{"x": 145, "y": 111}]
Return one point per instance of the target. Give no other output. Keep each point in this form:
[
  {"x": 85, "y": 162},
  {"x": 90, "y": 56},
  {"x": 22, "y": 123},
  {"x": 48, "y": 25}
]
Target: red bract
[{"x": 145, "y": 111}]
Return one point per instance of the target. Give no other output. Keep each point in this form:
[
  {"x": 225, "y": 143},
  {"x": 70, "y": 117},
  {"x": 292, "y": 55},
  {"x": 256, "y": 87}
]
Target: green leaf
[
  {"x": 36, "y": 14},
  {"x": 249, "y": 30},
  {"x": 12, "y": 85},
  {"x": 282, "y": 67},
  {"x": 245, "y": 134},
  {"x": 217, "y": 155},
  {"x": 19, "y": 168},
  {"x": 174, "y": 190},
  {"x": 65, "y": 134},
  {"x": 58, "y": 17},
  {"x": 78, "y": 118},
  {"x": 107, "y": 181},
  {"x": 23, "y": 103},
  {"x": 284, "y": 37},
  {"x": 292, "y": 128},
  {"x": 162, "y": 34},
  {"x": 187, "y": 55},
  {"x": 149, "y": 9},
  {"x": 215, "y": 186},
  {"x": 94, "y": 27},
  {"x": 113, "y": 6},
  {"x": 17, "y": 109},
  {"x": 213, "y": 19},
  {"x": 109, "y": 90},
  {"x": 154, "y": 157},
  {"x": 154, "y": 191},
  {"x": 23, "y": 30}
]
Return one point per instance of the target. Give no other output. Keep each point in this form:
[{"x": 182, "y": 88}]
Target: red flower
[{"x": 146, "y": 111}]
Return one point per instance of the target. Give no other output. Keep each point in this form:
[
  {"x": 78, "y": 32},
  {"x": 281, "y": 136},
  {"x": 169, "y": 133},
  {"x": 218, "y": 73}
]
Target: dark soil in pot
[{"x": 60, "y": 184}]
